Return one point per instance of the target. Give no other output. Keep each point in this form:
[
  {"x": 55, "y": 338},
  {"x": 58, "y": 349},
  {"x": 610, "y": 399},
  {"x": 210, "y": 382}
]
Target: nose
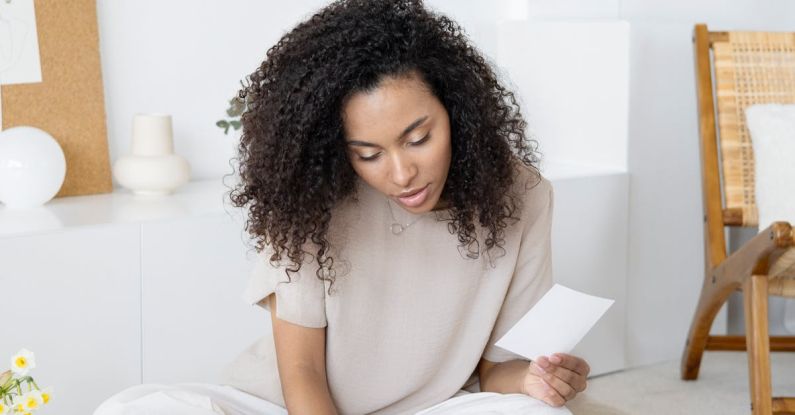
[{"x": 403, "y": 170}]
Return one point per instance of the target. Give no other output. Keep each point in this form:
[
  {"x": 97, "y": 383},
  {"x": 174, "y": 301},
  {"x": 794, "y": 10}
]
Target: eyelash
[{"x": 414, "y": 143}]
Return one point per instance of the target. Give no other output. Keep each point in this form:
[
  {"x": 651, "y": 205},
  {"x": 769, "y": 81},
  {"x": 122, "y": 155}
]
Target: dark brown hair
[{"x": 293, "y": 164}]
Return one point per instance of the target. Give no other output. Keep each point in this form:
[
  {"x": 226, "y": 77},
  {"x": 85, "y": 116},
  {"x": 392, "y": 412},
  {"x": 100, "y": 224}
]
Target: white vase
[
  {"x": 152, "y": 168},
  {"x": 32, "y": 167}
]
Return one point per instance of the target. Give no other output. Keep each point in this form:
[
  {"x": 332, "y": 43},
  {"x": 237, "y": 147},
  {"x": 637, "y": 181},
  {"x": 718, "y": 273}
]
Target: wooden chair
[{"x": 748, "y": 68}]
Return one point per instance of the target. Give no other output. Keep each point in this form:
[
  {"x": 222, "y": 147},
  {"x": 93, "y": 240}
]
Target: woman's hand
[{"x": 557, "y": 379}]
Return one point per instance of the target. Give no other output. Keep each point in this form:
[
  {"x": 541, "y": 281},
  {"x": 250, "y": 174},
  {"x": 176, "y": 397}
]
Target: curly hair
[{"x": 294, "y": 168}]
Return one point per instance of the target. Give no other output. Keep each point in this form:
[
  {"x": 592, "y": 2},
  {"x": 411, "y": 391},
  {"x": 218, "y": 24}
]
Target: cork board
[{"x": 69, "y": 102}]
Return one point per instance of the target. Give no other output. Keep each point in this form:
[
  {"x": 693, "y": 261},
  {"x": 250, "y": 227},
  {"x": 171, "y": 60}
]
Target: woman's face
[{"x": 398, "y": 141}]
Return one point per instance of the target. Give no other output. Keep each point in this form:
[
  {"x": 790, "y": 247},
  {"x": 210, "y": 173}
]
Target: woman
[{"x": 401, "y": 224}]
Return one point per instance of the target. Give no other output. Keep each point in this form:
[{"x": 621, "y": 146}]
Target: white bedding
[{"x": 210, "y": 399}]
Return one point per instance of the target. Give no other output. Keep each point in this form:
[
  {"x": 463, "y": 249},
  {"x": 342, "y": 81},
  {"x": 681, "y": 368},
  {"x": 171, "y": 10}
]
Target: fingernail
[
  {"x": 543, "y": 362},
  {"x": 540, "y": 369},
  {"x": 555, "y": 359}
]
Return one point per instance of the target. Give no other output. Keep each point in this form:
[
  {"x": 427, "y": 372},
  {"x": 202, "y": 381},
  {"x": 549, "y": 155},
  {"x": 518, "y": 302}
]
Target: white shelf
[
  {"x": 121, "y": 206},
  {"x": 555, "y": 170},
  {"x": 193, "y": 199}
]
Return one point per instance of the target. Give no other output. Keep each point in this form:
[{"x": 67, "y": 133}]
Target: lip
[{"x": 414, "y": 199}]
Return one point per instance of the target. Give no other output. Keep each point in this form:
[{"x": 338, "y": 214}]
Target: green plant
[{"x": 236, "y": 108}]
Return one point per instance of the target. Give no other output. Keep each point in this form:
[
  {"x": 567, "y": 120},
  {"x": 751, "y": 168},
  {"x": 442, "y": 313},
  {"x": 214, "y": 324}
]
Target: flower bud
[{"x": 4, "y": 378}]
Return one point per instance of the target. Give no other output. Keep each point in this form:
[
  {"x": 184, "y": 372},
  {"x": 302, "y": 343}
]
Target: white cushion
[{"x": 772, "y": 128}]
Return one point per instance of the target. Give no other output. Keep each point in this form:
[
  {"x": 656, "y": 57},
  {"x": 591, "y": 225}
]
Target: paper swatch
[
  {"x": 19, "y": 43},
  {"x": 555, "y": 324}
]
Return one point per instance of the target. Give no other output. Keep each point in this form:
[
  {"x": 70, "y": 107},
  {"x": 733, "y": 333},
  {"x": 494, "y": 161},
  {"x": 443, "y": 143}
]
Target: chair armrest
[{"x": 753, "y": 258}]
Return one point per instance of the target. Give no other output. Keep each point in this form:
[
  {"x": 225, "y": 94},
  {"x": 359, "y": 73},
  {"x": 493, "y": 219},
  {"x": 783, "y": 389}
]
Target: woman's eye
[
  {"x": 369, "y": 158},
  {"x": 421, "y": 140}
]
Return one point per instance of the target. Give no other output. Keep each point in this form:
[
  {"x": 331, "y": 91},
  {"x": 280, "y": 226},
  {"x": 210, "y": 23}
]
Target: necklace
[{"x": 397, "y": 228}]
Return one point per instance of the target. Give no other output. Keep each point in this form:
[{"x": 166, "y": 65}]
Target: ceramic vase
[
  {"x": 152, "y": 168},
  {"x": 32, "y": 167}
]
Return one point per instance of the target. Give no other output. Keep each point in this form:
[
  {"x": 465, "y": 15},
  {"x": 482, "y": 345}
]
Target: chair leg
[
  {"x": 714, "y": 294},
  {"x": 755, "y": 298}
]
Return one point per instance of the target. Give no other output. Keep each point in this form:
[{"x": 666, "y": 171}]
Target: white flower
[
  {"x": 22, "y": 362},
  {"x": 32, "y": 400},
  {"x": 18, "y": 403},
  {"x": 46, "y": 394}
]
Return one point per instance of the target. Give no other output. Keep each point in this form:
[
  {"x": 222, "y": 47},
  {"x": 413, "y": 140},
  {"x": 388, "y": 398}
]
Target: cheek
[
  {"x": 441, "y": 153},
  {"x": 371, "y": 174}
]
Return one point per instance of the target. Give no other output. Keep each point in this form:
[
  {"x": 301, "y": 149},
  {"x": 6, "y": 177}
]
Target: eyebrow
[{"x": 408, "y": 129}]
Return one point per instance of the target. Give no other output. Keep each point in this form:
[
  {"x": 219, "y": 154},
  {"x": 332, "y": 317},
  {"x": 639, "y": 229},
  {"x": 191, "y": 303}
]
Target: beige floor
[{"x": 722, "y": 388}]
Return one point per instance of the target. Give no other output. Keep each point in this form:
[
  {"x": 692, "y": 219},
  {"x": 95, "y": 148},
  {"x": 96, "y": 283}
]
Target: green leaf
[
  {"x": 222, "y": 124},
  {"x": 226, "y": 130},
  {"x": 236, "y": 107},
  {"x": 235, "y": 124}
]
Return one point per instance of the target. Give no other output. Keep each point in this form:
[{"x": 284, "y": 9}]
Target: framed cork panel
[{"x": 69, "y": 102}]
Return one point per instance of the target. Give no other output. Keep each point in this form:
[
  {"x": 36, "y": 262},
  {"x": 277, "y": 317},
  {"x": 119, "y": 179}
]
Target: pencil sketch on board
[{"x": 19, "y": 43}]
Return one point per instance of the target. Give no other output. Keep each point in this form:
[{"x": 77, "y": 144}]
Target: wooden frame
[{"x": 746, "y": 269}]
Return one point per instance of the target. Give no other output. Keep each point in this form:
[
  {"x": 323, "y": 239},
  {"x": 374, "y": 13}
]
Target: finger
[
  {"x": 541, "y": 390},
  {"x": 563, "y": 389},
  {"x": 552, "y": 396},
  {"x": 573, "y": 379},
  {"x": 570, "y": 362},
  {"x": 554, "y": 399}
]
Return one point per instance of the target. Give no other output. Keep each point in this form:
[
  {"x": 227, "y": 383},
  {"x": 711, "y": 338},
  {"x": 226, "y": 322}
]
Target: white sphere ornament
[
  {"x": 32, "y": 167},
  {"x": 152, "y": 168}
]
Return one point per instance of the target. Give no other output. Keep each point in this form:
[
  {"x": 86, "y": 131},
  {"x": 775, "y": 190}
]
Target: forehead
[{"x": 384, "y": 112}]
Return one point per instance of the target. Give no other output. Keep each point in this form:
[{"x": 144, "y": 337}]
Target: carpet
[{"x": 721, "y": 388}]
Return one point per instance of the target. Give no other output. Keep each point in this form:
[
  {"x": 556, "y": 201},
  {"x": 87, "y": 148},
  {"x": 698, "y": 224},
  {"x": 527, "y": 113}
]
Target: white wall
[{"x": 187, "y": 58}]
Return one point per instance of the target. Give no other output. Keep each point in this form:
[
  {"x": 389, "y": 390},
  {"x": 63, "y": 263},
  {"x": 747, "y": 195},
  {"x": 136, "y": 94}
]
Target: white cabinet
[
  {"x": 74, "y": 299},
  {"x": 589, "y": 254},
  {"x": 111, "y": 291},
  {"x": 194, "y": 320}
]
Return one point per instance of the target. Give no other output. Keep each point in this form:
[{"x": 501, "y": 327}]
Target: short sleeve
[
  {"x": 532, "y": 276},
  {"x": 300, "y": 301}
]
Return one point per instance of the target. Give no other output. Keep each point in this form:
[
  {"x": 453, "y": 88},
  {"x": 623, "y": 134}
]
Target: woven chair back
[{"x": 749, "y": 68}]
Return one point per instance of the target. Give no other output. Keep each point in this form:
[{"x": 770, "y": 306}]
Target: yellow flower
[
  {"x": 3, "y": 408},
  {"x": 46, "y": 394},
  {"x": 22, "y": 362}
]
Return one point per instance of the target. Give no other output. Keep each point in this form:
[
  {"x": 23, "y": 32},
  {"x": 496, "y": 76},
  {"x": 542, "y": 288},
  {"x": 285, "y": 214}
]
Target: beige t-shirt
[{"x": 410, "y": 315}]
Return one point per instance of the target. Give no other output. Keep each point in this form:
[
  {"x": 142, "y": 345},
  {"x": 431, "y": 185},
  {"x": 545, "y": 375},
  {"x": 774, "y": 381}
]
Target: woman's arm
[
  {"x": 301, "y": 358},
  {"x": 505, "y": 377}
]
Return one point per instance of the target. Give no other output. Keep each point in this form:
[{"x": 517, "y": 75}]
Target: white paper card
[
  {"x": 19, "y": 43},
  {"x": 555, "y": 324}
]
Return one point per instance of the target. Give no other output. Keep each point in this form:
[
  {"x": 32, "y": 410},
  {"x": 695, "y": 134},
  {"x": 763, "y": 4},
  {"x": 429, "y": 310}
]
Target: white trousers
[{"x": 210, "y": 399}]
